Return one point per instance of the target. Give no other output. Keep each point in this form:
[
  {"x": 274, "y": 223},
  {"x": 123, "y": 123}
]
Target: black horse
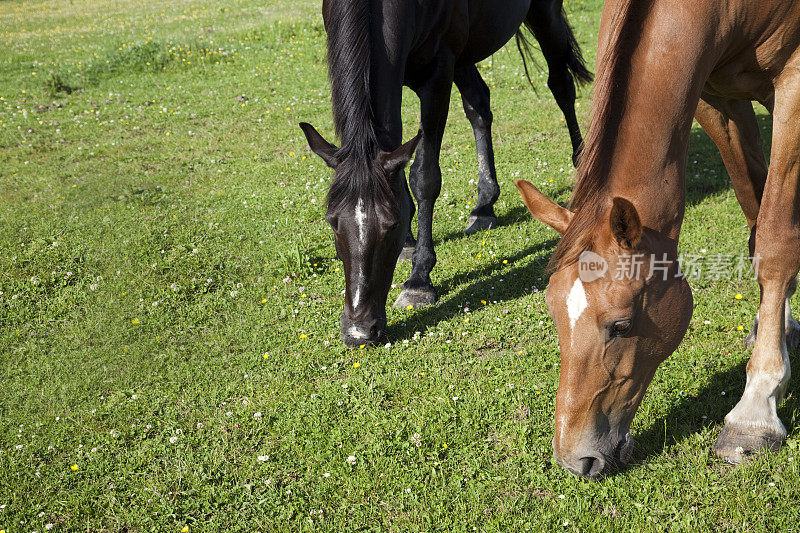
[{"x": 374, "y": 48}]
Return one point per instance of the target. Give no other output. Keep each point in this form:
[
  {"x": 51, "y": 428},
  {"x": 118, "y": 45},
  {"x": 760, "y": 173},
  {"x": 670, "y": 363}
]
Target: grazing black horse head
[
  {"x": 375, "y": 47},
  {"x": 368, "y": 209}
]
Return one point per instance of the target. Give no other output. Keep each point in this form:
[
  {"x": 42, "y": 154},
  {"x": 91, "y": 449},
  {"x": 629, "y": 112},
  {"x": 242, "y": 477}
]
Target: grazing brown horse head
[
  {"x": 620, "y": 307},
  {"x": 660, "y": 63},
  {"x": 369, "y": 227}
]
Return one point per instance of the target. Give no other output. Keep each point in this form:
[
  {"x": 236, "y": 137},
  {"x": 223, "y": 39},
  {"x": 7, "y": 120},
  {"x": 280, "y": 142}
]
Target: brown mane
[{"x": 589, "y": 200}]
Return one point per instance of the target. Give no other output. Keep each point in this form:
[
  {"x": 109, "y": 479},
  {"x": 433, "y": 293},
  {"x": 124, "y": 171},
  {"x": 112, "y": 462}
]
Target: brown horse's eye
[{"x": 620, "y": 327}]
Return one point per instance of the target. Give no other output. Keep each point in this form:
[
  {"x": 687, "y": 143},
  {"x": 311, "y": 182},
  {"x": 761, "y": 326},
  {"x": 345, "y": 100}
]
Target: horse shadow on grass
[
  {"x": 511, "y": 217},
  {"x": 494, "y": 281},
  {"x": 706, "y": 408}
]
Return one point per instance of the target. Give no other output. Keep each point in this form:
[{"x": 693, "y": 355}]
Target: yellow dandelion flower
[
  {"x": 444, "y": 445},
  {"x": 263, "y": 300},
  {"x": 185, "y": 529},
  {"x": 74, "y": 468},
  {"x": 505, "y": 261},
  {"x": 357, "y": 364},
  {"x": 738, "y": 296},
  {"x": 303, "y": 336},
  {"x": 410, "y": 307},
  {"x": 135, "y": 321},
  {"x": 291, "y": 154},
  {"x": 739, "y": 328},
  {"x": 266, "y": 356},
  {"x": 483, "y": 302}
]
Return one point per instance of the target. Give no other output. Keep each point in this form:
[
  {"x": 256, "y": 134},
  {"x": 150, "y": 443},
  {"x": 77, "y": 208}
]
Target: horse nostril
[
  {"x": 592, "y": 466},
  {"x": 374, "y": 332}
]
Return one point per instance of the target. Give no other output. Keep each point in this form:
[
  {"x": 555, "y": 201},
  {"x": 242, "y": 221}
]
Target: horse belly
[
  {"x": 741, "y": 84},
  {"x": 492, "y": 24}
]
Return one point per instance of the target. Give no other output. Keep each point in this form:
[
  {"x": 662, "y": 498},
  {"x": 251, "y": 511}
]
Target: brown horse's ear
[
  {"x": 625, "y": 223},
  {"x": 319, "y": 145},
  {"x": 393, "y": 162},
  {"x": 543, "y": 208}
]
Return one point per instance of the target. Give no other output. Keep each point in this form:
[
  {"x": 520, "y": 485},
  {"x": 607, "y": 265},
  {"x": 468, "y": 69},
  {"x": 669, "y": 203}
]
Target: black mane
[{"x": 349, "y": 66}]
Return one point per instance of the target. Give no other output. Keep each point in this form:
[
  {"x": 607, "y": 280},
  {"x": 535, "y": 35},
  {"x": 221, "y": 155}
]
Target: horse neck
[{"x": 654, "y": 89}]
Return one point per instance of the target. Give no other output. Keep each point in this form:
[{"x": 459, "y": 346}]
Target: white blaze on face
[
  {"x": 576, "y": 302},
  {"x": 361, "y": 218}
]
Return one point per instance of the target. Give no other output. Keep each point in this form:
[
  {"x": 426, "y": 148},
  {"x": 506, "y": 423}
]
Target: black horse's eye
[{"x": 620, "y": 327}]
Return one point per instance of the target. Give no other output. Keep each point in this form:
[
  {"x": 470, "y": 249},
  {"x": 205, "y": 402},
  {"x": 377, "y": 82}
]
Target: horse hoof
[
  {"x": 476, "y": 224},
  {"x": 736, "y": 444},
  {"x": 415, "y": 298},
  {"x": 406, "y": 254}
]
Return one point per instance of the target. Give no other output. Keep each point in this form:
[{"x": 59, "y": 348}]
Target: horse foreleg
[
  {"x": 753, "y": 424},
  {"x": 426, "y": 184},
  {"x": 475, "y": 97}
]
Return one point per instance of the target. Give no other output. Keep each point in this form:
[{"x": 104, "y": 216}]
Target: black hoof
[
  {"x": 482, "y": 223},
  {"x": 736, "y": 444},
  {"x": 415, "y": 298},
  {"x": 406, "y": 254}
]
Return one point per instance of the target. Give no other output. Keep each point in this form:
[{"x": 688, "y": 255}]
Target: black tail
[{"x": 556, "y": 28}]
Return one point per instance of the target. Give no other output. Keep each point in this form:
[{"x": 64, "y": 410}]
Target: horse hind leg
[
  {"x": 547, "y": 21},
  {"x": 476, "y": 100},
  {"x": 410, "y": 243},
  {"x": 732, "y": 126},
  {"x": 753, "y": 424}
]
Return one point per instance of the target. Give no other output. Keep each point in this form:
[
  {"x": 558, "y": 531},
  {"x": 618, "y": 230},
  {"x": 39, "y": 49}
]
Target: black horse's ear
[
  {"x": 393, "y": 162},
  {"x": 319, "y": 145}
]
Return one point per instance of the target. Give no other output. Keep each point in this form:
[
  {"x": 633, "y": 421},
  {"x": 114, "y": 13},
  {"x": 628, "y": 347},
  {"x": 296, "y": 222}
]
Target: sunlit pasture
[{"x": 170, "y": 297}]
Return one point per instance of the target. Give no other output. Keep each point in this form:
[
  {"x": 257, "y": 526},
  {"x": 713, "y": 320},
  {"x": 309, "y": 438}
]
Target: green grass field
[{"x": 170, "y": 298}]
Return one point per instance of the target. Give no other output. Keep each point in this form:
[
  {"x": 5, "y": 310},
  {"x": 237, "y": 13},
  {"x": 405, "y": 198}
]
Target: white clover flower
[{"x": 351, "y": 460}]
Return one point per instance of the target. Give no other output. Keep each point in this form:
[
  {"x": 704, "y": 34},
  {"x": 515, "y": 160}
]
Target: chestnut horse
[
  {"x": 659, "y": 63},
  {"x": 374, "y": 48}
]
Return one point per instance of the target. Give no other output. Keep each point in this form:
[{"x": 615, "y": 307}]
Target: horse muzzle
[{"x": 593, "y": 461}]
